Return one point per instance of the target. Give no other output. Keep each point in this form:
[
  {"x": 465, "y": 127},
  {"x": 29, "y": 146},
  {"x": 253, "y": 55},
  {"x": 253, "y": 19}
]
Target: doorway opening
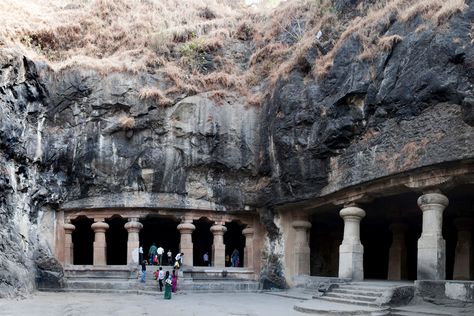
[
  {"x": 202, "y": 241},
  {"x": 233, "y": 239},
  {"x": 83, "y": 241},
  {"x": 161, "y": 231},
  {"x": 116, "y": 237}
]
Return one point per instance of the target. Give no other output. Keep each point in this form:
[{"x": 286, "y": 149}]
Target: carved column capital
[
  {"x": 133, "y": 226},
  {"x": 432, "y": 201},
  {"x": 218, "y": 229},
  {"x": 99, "y": 227},
  {"x": 248, "y": 232},
  {"x": 186, "y": 228},
  {"x": 301, "y": 225},
  {"x": 69, "y": 228}
]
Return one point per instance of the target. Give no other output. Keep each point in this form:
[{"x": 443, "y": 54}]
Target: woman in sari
[
  {"x": 167, "y": 286},
  {"x": 174, "y": 281}
]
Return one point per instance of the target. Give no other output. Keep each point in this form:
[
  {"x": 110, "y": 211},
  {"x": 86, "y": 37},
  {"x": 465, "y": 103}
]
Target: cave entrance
[
  {"x": 202, "y": 241},
  {"x": 389, "y": 234},
  {"x": 325, "y": 238},
  {"x": 116, "y": 237},
  {"x": 161, "y": 231},
  {"x": 83, "y": 241},
  {"x": 234, "y": 239}
]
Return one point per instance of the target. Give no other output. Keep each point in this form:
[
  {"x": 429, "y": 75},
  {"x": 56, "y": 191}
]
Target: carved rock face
[{"x": 77, "y": 134}]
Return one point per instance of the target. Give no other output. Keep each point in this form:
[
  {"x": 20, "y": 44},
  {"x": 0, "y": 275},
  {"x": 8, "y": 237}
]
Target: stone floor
[
  {"x": 241, "y": 304},
  {"x": 88, "y": 304}
]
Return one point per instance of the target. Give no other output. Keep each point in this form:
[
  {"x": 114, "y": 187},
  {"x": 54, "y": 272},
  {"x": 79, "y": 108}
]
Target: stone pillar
[
  {"x": 68, "y": 245},
  {"x": 463, "y": 256},
  {"x": 301, "y": 247},
  {"x": 351, "y": 251},
  {"x": 248, "y": 250},
  {"x": 133, "y": 227},
  {"x": 431, "y": 245},
  {"x": 100, "y": 245},
  {"x": 218, "y": 247},
  {"x": 397, "y": 258},
  {"x": 186, "y": 229}
]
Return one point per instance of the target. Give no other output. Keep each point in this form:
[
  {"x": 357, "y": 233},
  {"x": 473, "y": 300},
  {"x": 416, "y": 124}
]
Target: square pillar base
[
  {"x": 431, "y": 258},
  {"x": 351, "y": 262}
]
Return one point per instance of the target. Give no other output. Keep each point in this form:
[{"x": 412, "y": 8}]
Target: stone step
[
  {"x": 100, "y": 284},
  {"x": 104, "y": 285},
  {"x": 358, "y": 297},
  {"x": 356, "y": 292},
  {"x": 347, "y": 301},
  {"x": 320, "y": 307},
  {"x": 419, "y": 311},
  {"x": 246, "y": 286},
  {"x": 363, "y": 288}
]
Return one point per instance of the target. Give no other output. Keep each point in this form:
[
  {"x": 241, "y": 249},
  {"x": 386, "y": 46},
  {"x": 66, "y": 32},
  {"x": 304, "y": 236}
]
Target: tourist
[
  {"x": 152, "y": 253},
  {"x": 140, "y": 254},
  {"x": 179, "y": 260},
  {"x": 159, "y": 253},
  {"x": 227, "y": 259},
  {"x": 205, "y": 258},
  {"x": 170, "y": 258},
  {"x": 234, "y": 258},
  {"x": 168, "y": 282},
  {"x": 161, "y": 277},
  {"x": 143, "y": 275},
  {"x": 174, "y": 282}
]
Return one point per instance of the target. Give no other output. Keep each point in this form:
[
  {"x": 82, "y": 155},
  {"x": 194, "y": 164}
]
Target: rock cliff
[{"x": 77, "y": 133}]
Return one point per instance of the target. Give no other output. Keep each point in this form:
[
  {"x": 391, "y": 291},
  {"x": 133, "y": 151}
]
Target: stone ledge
[{"x": 141, "y": 200}]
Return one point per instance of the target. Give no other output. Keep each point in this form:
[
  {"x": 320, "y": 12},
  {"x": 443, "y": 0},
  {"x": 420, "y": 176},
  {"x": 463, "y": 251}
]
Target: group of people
[
  {"x": 170, "y": 282},
  {"x": 155, "y": 255},
  {"x": 165, "y": 279}
]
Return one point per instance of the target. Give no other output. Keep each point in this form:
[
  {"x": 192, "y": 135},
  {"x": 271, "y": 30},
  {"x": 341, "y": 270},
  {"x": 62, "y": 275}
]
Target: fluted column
[
  {"x": 301, "y": 247},
  {"x": 68, "y": 245},
  {"x": 218, "y": 247},
  {"x": 248, "y": 250},
  {"x": 186, "y": 229},
  {"x": 351, "y": 251},
  {"x": 463, "y": 256},
  {"x": 431, "y": 245},
  {"x": 100, "y": 245},
  {"x": 133, "y": 227},
  {"x": 397, "y": 257}
]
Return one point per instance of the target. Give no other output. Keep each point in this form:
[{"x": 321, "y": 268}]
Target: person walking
[
  {"x": 179, "y": 260},
  {"x": 143, "y": 275},
  {"x": 167, "y": 286},
  {"x": 152, "y": 253},
  {"x": 174, "y": 282},
  {"x": 170, "y": 257},
  {"x": 161, "y": 277},
  {"x": 205, "y": 258},
  {"x": 234, "y": 258},
  {"x": 160, "y": 252}
]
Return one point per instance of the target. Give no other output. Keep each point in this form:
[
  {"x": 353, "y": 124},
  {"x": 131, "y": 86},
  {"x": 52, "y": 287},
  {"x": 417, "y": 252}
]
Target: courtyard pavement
[{"x": 85, "y": 304}]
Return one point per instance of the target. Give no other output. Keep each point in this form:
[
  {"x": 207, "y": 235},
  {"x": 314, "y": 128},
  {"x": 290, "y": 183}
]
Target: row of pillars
[
  {"x": 431, "y": 259},
  {"x": 133, "y": 227}
]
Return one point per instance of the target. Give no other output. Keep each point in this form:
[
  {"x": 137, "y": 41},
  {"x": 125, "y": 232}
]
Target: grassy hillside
[{"x": 221, "y": 46}]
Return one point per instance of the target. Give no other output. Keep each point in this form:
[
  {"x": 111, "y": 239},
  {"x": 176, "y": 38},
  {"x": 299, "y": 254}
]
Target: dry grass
[
  {"x": 215, "y": 46},
  {"x": 126, "y": 122},
  {"x": 156, "y": 95}
]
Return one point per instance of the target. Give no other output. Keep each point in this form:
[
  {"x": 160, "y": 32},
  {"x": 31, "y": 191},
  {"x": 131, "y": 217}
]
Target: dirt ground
[{"x": 85, "y": 304}]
